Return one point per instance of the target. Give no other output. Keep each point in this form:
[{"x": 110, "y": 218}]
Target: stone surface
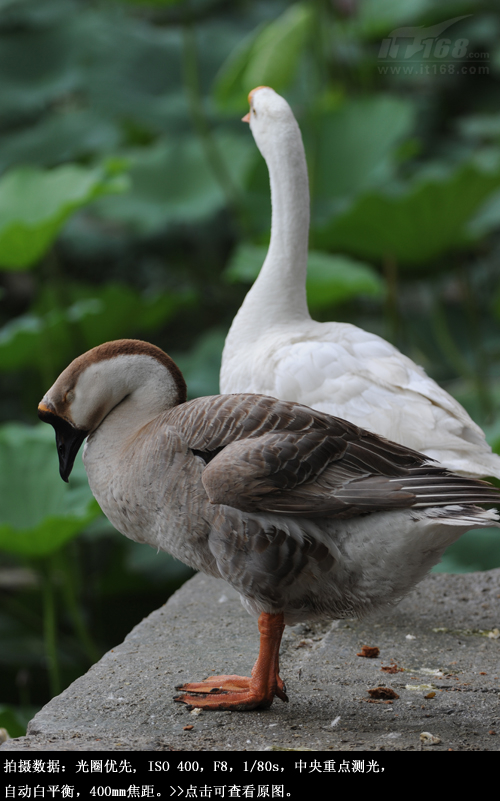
[{"x": 442, "y": 636}]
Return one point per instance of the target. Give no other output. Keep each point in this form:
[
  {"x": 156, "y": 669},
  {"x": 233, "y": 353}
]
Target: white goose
[
  {"x": 275, "y": 348},
  {"x": 307, "y": 516}
]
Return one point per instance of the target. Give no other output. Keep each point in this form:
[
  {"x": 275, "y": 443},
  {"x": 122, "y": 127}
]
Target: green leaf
[
  {"x": 416, "y": 223},
  {"x": 229, "y": 90},
  {"x": 20, "y": 341},
  {"x": 245, "y": 263},
  {"x": 377, "y": 18},
  {"x": 119, "y": 311},
  {"x": 173, "y": 182},
  {"x": 331, "y": 279},
  {"x": 35, "y": 204},
  {"x": 356, "y": 148},
  {"x": 37, "y": 56},
  {"x": 278, "y": 48},
  {"x": 336, "y": 279},
  {"x": 59, "y": 137},
  {"x": 101, "y": 313},
  {"x": 269, "y": 56},
  {"x": 150, "y": 2},
  {"x": 38, "y": 511}
]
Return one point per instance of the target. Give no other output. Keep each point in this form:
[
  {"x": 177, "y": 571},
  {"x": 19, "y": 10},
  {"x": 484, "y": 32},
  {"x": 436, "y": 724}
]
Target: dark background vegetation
[{"x": 133, "y": 202}]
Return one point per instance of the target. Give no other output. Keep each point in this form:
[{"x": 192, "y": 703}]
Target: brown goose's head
[{"x": 98, "y": 381}]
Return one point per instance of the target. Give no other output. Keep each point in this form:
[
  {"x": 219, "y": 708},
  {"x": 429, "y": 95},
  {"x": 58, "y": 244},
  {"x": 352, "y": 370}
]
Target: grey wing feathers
[{"x": 273, "y": 456}]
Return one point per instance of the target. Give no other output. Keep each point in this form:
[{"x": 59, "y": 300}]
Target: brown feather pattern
[
  {"x": 258, "y": 450},
  {"x": 303, "y": 513}
]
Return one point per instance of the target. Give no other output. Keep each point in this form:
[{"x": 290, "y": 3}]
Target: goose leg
[{"x": 242, "y": 692}]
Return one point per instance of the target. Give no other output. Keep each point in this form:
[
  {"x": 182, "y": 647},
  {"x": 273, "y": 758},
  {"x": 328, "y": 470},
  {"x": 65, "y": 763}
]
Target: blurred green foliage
[
  {"x": 133, "y": 202},
  {"x": 35, "y": 204}
]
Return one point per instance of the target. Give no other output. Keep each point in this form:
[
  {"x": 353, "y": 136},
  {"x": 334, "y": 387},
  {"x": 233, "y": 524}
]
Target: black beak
[{"x": 68, "y": 439}]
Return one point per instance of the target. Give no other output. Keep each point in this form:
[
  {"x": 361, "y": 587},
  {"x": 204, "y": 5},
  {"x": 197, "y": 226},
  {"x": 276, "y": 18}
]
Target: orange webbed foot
[
  {"x": 241, "y": 692},
  {"x": 229, "y": 692}
]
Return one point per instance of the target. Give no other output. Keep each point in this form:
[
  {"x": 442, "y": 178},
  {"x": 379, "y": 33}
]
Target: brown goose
[{"x": 306, "y": 515}]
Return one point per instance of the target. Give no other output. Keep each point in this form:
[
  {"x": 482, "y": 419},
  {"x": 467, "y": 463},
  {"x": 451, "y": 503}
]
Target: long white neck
[{"x": 279, "y": 293}]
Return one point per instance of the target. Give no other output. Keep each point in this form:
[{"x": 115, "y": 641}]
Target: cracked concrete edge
[{"x": 442, "y": 642}]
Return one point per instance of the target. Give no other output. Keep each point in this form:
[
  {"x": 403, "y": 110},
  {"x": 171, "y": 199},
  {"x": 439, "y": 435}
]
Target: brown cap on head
[
  {"x": 57, "y": 406},
  {"x": 126, "y": 347}
]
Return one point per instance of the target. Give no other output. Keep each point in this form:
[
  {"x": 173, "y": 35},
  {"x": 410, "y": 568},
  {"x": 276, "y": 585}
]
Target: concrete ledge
[{"x": 438, "y": 635}]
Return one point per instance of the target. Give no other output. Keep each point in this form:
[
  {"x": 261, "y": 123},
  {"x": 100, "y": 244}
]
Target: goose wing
[{"x": 265, "y": 455}]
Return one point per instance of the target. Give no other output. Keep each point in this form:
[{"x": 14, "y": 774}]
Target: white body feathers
[{"x": 275, "y": 348}]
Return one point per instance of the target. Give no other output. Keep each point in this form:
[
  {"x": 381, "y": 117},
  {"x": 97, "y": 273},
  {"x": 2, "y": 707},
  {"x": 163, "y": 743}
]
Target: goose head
[
  {"x": 273, "y": 124},
  {"x": 128, "y": 375}
]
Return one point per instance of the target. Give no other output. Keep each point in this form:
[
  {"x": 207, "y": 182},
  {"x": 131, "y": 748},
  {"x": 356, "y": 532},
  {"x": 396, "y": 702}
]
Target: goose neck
[
  {"x": 126, "y": 391},
  {"x": 280, "y": 286}
]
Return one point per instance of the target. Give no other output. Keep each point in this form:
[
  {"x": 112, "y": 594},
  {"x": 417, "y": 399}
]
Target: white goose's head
[
  {"x": 271, "y": 121},
  {"x": 126, "y": 371}
]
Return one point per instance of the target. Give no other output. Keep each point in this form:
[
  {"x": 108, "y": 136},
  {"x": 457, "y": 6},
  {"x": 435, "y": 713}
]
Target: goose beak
[
  {"x": 68, "y": 439},
  {"x": 246, "y": 118}
]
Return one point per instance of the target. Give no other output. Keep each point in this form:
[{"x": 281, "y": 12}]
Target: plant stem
[
  {"x": 481, "y": 366},
  {"x": 69, "y": 585},
  {"x": 50, "y": 628},
  {"x": 447, "y": 343}
]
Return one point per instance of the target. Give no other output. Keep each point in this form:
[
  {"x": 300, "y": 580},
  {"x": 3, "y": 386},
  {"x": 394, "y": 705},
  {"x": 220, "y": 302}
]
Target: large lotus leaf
[
  {"x": 35, "y": 203},
  {"x": 378, "y": 18},
  {"x": 134, "y": 68},
  {"x": 59, "y": 137},
  {"x": 331, "y": 279},
  {"x": 25, "y": 340},
  {"x": 38, "y": 511},
  {"x": 100, "y": 314},
  {"x": 269, "y": 56},
  {"x": 335, "y": 278},
  {"x": 113, "y": 62},
  {"x": 37, "y": 55},
  {"x": 417, "y": 223},
  {"x": 120, "y": 311},
  {"x": 355, "y": 148},
  {"x": 173, "y": 182}
]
